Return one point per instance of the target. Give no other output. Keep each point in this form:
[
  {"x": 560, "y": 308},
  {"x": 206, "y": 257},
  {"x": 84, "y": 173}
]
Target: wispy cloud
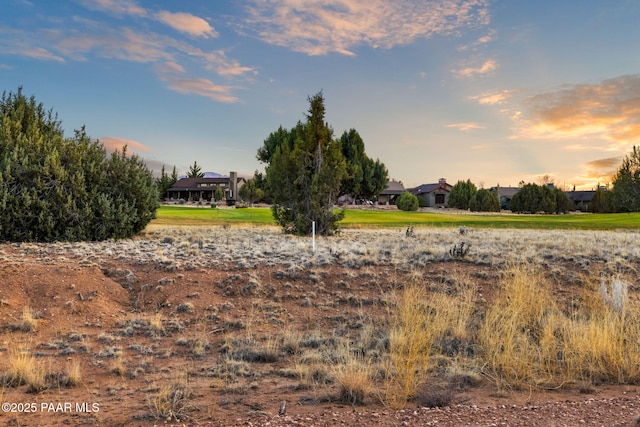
[
  {"x": 112, "y": 143},
  {"x": 465, "y": 127},
  {"x": 321, "y": 27},
  {"x": 116, "y": 7},
  {"x": 187, "y": 23},
  {"x": 201, "y": 87},
  {"x": 82, "y": 39},
  {"x": 479, "y": 42},
  {"x": 493, "y": 98},
  {"x": 609, "y": 110},
  {"x": 472, "y": 70}
]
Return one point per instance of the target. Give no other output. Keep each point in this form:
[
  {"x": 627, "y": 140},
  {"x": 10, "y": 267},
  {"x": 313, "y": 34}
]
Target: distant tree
[
  {"x": 165, "y": 182},
  {"x": 54, "y": 188},
  {"x": 365, "y": 178},
  {"x": 533, "y": 198},
  {"x": 626, "y": 184},
  {"x": 461, "y": 194},
  {"x": 602, "y": 201},
  {"x": 407, "y": 202},
  {"x": 195, "y": 171},
  {"x": 563, "y": 203},
  {"x": 250, "y": 192},
  {"x": 218, "y": 194},
  {"x": 484, "y": 201},
  {"x": 304, "y": 179}
]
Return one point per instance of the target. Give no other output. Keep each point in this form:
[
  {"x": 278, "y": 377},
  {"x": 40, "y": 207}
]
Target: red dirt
[{"x": 78, "y": 301}]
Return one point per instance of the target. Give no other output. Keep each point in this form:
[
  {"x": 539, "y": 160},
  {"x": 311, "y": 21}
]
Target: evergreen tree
[
  {"x": 195, "y": 171},
  {"x": 484, "y": 201},
  {"x": 165, "y": 182},
  {"x": 366, "y": 178},
  {"x": 65, "y": 189},
  {"x": 626, "y": 184},
  {"x": 305, "y": 178},
  {"x": 461, "y": 194},
  {"x": 602, "y": 201},
  {"x": 533, "y": 198},
  {"x": 250, "y": 192},
  {"x": 563, "y": 203}
]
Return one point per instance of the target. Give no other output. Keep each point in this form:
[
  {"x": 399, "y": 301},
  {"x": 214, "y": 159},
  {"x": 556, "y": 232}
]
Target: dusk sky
[{"x": 495, "y": 91}]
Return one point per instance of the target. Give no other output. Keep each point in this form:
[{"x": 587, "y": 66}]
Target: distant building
[
  {"x": 389, "y": 195},
  {"x": 433, "y": 195},
  {"x": 580, "y": 199},
  {"x": 203, "y": 189},
  {"x": 505, "y": 194}
]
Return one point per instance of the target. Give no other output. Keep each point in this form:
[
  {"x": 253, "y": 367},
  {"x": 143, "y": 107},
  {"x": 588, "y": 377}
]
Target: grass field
[{"x": 358, "y": 218}]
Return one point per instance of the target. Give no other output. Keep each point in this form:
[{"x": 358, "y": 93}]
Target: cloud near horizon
[
  {"x": 322, "y": 27},
  {"x": 464, "y": 127},
  {"x": 609, "y": 111},
  {"x": 112, "y": 143}
]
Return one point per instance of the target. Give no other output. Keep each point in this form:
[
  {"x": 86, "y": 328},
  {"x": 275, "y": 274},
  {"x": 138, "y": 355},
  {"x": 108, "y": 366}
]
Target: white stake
[{"x": 313, "y": 236}]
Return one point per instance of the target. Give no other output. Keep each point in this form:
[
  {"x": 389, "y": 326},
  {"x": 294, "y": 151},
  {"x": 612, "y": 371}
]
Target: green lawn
[{"x": 356, "y": 218}]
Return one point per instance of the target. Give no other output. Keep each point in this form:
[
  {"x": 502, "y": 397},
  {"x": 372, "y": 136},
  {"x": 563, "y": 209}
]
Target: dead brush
[
  {"x": 354, "y": 378},
  {"x": 172, "y": 401},
  {"x": 415, "y": 325}
]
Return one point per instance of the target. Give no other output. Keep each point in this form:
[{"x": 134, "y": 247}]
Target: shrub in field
[
  {"x": 485, "y": 201},
  {"x": 407, "y": 202}
]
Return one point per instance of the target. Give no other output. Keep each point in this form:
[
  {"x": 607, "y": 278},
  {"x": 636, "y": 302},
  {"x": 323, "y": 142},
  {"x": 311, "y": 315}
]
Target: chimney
[
  {"x": 233, "y": 186},
  {"x": 442, "y": 181}
]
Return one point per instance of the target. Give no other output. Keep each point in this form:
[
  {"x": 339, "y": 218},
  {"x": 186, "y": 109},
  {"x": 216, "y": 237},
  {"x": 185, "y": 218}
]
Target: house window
[{"x": 439, "y": 199}]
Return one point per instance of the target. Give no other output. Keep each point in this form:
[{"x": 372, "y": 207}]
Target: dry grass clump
[
  {"x": 172, "y": 401},
  {"x": 24, "y": 369},
  {"x": 527, "y": 340},
  {"x": 354, "y": 378},
  {"x": 413, "y": 331}
]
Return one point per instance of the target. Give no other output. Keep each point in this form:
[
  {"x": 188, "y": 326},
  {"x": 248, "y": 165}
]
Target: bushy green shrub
[
  {"x": 461, "y": 194},
  {"x": 407, "y": 202},
  {"x": 54, "y": 188},
  {"x": 485, "y": 201}
]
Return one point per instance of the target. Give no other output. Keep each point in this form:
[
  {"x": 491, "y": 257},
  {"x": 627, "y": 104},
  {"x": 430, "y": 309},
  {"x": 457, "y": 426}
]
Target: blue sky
[{"x": 494, "y": 91}]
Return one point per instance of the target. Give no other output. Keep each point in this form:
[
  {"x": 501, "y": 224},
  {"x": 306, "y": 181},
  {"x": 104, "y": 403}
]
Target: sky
[{"x": 496, "y": 91}]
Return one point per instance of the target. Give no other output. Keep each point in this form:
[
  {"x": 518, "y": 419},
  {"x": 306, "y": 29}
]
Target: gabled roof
[
  {"x": 393, "y": 188},
  {"x": 430, "y": 188}
]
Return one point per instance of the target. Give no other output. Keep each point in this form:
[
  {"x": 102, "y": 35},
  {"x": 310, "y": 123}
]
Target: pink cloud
[
  {"x": 187, "y": 23},
  {"x": 111, "y": 143}
]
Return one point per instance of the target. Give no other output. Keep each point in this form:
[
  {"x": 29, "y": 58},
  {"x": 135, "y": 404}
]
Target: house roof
[
  {"x": 393, "y": 188},
  {"x": 507, "y": 192},
  {"x": 580, "y": 196},
  {"x": 430, "y": 188}
]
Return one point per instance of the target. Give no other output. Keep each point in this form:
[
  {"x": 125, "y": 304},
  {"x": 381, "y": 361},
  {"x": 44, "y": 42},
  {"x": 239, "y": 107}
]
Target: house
[
  {"x": 580, "y": 199},
  {"x": 433, "y": 195},
  {"x": 505, "y": 194},
  {"x": 389, "y": 195},
  {"x": 204, "y": 189}
]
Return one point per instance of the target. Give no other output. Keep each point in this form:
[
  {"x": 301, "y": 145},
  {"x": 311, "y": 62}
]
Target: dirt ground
[{"x": 134, "y": 327}]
